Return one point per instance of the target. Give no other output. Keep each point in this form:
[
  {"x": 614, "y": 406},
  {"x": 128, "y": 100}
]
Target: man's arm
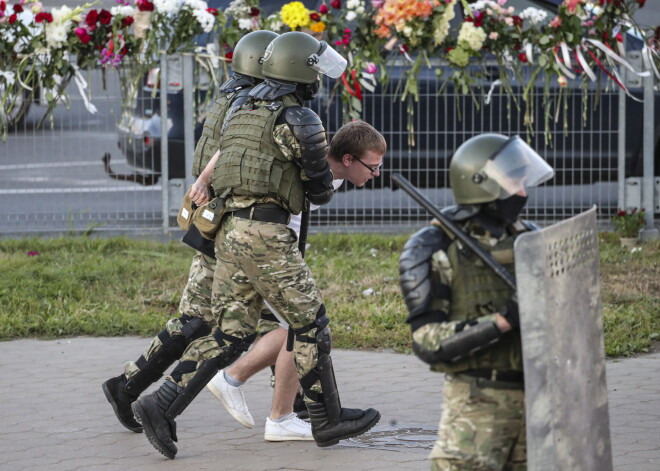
[{"x": 200, "y": 191}]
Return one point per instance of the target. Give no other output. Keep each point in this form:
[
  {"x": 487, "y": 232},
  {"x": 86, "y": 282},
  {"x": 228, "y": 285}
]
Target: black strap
[
  {"x": 269, "y": 316},
  {"x": 495, "y": 375},
  {"x": 273, "y": 214},
  {"x": 195, "y": 240}
]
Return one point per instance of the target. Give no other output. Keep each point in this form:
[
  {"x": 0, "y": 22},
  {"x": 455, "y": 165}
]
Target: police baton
[
  {"x": 304, "y": 228},
  {"x": 499, "y": 270}
]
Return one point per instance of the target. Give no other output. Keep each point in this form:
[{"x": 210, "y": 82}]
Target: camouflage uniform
[
  {"x": 482, "y": 427},
  {"x": 258, "y": 258}
]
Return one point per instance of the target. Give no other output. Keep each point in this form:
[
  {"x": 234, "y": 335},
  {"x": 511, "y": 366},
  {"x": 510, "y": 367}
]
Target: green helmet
[
  {"x": 298, "y": 57},
  {"x": 489, "y": 167},
  {"x": 249, "y": 52}
]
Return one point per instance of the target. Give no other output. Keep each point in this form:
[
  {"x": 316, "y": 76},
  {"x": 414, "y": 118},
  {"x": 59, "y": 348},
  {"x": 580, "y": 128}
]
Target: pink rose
[
  {"x": 323, "y": 9},
  {"x": 371, "y": 68}
]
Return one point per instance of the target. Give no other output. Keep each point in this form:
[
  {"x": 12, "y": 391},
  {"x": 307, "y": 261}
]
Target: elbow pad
[
  {"x": 308, "y": 130},
  {"x": 415, "y": 277},
  {"x": 461, "y": 345}
]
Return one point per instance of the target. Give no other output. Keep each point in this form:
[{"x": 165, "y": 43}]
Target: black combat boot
[
  {"x": 331, "y": 422},
  {"x": 151, "y": 409},
  {"x": 121, "y": 400}
]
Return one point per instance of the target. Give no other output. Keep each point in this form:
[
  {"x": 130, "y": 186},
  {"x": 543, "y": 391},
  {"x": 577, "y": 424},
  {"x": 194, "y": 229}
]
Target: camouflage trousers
[
  {"x": 481, "y": 428},
  {"x": 195, "y": 302},
  {"x": 257, "y": 261}
]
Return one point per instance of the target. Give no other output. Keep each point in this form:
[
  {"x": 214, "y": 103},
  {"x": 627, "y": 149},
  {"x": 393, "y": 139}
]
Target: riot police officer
[
  {"x": 463, "y": 317},
  {"x": 196, "y": 318},
  {"x": 272, "y": 164}
]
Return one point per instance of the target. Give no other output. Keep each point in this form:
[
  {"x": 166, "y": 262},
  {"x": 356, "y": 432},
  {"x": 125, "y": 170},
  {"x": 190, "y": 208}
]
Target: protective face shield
[
  {"x": 514, "y": 167},
  {"x": 327, "y": 61}
]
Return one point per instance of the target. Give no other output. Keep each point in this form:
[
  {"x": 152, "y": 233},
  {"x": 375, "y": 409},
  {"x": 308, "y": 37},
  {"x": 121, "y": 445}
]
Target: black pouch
[{"x": 195, "y": 240}]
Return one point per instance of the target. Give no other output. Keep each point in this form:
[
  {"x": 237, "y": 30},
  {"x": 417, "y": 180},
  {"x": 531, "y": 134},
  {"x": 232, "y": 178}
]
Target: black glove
[{"x": 511, "y": 314}]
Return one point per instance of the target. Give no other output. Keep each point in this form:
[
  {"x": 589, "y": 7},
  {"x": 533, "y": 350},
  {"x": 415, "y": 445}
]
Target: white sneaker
[
  {"x": 291, "y": 428},
  {"x": 232, "y": 398}
]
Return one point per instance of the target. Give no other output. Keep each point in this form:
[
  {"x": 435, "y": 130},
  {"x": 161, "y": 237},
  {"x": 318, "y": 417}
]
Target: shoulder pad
[
  {"x": 271, "y": 90},
  {"x": 301, "y": 116},
  {"x": 236, "y": 83},
  {"x": 429, "y": 236},
  {"x": 415, "y": 277},
  {"x": 460, "y": 212}
]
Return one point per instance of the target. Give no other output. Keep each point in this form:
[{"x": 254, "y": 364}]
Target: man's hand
[
  {"x": 199, "y": 192},
  {"x": 508, "y": 317}
]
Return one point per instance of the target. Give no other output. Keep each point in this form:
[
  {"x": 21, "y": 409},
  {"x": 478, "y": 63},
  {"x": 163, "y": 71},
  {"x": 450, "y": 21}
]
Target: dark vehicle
[{"x": 580, "y": 143}]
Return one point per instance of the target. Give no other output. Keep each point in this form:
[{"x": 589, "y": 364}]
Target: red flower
[
  {"x": 12, "y": 19},
  {"x": 323, "y": 9},
  {"x": 127, "y": 21},
  {"x": 92, "y": 17},
  {"x": 229, "y": 56},
  {"x": 124, "y": 50},
  {"x": 517, "y": 21},
  {"x": 18, "y": 8},
  {"x": 403, "y": 48},
  {"x": 43, "y": 16},
  {"x": 3, "y": 6},
  {"x": 522, "y": 57},
  {"x": 105, "y": 17},
  {"x": 83, "y": 35},
  {"x": 254, "y": 11},
  {"x": 479, "y": 18},
  {"x": 145, "y": 5},
  {"x": 314, "y": 16},
  {"x": 33, "y": 253},
  {"x": 641, "y": 3},
  {"x": 212, "y": 11},
  {"x": 336, "y": 4}
]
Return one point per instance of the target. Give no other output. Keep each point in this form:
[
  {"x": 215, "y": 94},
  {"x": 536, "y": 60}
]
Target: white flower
[
  {"x": 534, "y": 15},
  {"x": 407, "y": 30},
  {"x": 237, "y": 8},
  {"x": 440, "y": 33},
  {"x": 350, "y": 16},
  {"x": 205, "y": 19},
  {"x": 196, "y": 4},
  {"x": 352, "y": 4},
  {"x": 245, "y": 23},
  {"x": 56, "y": 34},
  {"x": 123, "y": 10},
  {"x": 471, "y": 35},
  {"x": 167, "y": 6}
]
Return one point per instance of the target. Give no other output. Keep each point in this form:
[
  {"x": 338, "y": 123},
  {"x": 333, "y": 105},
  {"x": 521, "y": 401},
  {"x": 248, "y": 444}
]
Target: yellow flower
[
  {"x": 318, "y": 27},
  {"x": 295, "y": 15}
]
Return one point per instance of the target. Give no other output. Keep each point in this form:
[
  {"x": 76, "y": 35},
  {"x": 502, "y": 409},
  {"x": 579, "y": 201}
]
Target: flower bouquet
[{"x": 628, "y": 223}]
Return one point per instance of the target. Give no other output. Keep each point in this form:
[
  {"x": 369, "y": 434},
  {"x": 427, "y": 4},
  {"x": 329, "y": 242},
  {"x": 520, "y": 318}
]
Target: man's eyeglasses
[{"x": 373, "y": 170}]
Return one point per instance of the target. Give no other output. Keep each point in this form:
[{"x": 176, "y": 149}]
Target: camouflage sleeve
[{"x": 288, "y": 144}]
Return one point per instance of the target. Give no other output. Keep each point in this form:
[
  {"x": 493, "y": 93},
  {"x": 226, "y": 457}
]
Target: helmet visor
[
  {"x": 327, "y": 61},
  {"x": 517, "y": 166}
]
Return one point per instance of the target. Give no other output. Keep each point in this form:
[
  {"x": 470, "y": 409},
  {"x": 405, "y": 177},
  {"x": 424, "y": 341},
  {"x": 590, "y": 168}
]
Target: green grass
[{"x": 120, "y": 286}]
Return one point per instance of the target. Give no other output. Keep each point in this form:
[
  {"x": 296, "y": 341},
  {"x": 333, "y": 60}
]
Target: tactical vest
[
  {"x": 251, "y": 163},
  {"x": 209, "y": 142},
  {"x": 477, "y": 291}
]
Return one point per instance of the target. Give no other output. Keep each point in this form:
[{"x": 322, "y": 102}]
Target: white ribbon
[
  {"x": 649, "y": 62},
  {"x": 528, "y": 52},
  {"x": 565, "y": 70},
  {"x": 9, "y": 77},
  {"x": 615, "y": 57},
  {"x": 82, "y": 86},
  {"x": 583, "y": 63},
  {"x": 492, "y": 89},
  {"x": 566, "y": 55}
]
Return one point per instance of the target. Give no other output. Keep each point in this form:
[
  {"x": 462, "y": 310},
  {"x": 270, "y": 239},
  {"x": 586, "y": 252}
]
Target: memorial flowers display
[{"x": 584, "y": 41}]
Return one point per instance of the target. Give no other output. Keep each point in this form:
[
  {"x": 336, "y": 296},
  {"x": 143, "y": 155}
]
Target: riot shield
[{"x": 567, "y": 415}]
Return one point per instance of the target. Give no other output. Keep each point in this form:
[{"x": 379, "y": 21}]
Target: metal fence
[{"x": 71, "y": 176}]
